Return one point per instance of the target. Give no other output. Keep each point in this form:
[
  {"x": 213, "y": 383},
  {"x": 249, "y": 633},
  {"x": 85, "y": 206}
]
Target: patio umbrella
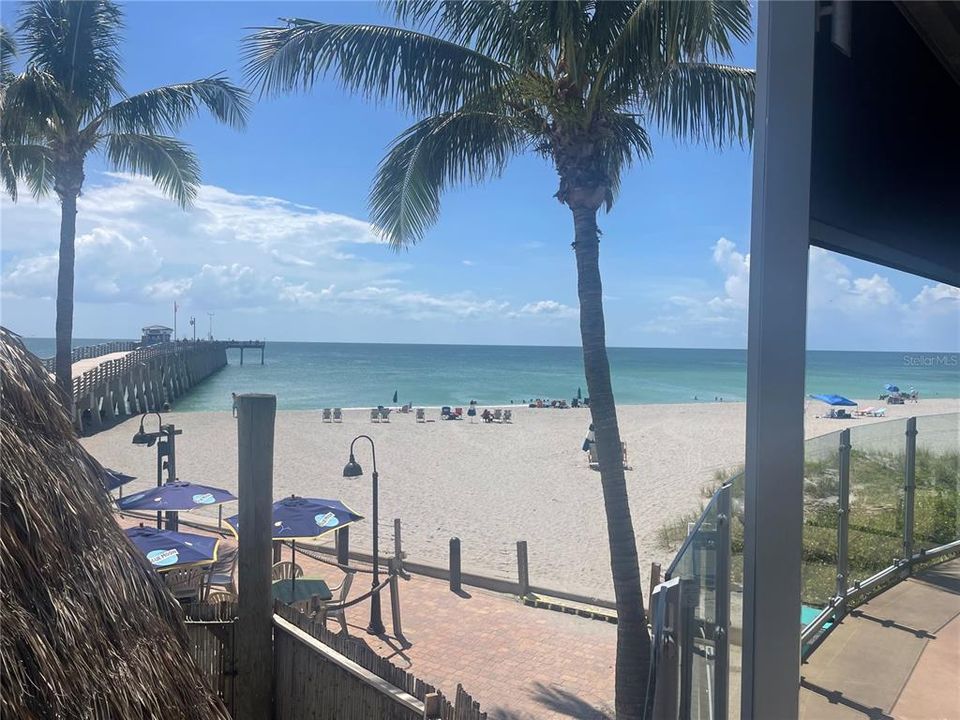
[
  {"x": 167, "y": 548},
  {"x": 395, "y": 396},
  {"x": 579, "y": 394},
  {"x": 299, "y": 518},
  {"x": 113, "y": 479},
  {"x": 177, "y": 495},
  {"x": 834, "y": 400},
  {"x": 891, "y": 388}
]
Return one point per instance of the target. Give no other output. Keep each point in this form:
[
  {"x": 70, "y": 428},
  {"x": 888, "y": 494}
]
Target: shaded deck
[{"x": 897, "y": 656}]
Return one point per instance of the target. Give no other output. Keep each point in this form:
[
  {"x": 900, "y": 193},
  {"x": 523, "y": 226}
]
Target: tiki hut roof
[{"x": 87, "y": 629}]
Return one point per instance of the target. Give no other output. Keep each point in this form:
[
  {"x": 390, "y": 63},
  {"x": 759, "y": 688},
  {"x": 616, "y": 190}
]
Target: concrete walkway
[
  {"x": 897, "y": 656},
  {"x": 81, "y": 366}
]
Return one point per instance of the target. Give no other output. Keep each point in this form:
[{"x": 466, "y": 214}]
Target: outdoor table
[{"x": 313, "y": 589}]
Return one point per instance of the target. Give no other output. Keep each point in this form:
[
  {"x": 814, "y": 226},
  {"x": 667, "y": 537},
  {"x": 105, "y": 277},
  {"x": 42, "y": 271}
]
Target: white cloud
[
  {"x": 468, "y": 263},
  {"x": 547, "y": 309}
]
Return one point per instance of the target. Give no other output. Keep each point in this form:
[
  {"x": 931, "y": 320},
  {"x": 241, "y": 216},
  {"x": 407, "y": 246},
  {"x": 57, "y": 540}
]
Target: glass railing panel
[
  {"x": 936, "y": 515},
  {"x": 735, "y": 632},
  {"x": 876, "y": 497},
  {"x": 696, "y": 566},
  {"x": 821, "y": 478}
]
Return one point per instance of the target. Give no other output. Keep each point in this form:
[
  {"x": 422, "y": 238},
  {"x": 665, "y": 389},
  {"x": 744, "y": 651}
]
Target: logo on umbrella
[
  {"x": 204, "y": 499},
  {"x": 326, "y": 520},
  {"x": 162, "y": 558}
]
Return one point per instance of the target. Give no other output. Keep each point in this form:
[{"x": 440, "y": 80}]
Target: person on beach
[
  {"x": 590, "y": 440},
  {"x": 234, "y": 396}
]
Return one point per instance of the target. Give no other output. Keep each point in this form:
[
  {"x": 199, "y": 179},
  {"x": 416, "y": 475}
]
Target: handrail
[{"x": 391, "y": 691}]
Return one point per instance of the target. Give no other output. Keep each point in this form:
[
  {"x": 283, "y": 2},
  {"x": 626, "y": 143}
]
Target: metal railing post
[
  {"x": 843, "y": 524},
  {"x": 909, "y": 488},
  {"x": 721, "y": 665}
]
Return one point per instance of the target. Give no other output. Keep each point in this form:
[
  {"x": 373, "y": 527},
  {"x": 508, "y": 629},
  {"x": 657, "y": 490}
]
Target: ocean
[{"x": 307, "y": 376}]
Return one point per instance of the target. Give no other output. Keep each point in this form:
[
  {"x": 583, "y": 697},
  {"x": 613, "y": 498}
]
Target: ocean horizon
[{"x": 311, "y": 375}]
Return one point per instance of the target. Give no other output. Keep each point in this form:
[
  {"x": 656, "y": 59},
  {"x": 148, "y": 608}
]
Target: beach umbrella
[
  {"x": 579, "y": 394},
  {"x": 112, "y": 479},
  {"x": 176, "y": 495},
  {"x": 395, "y": 396},
  {"x": 834, "y": 400},
  {"x": 167, "y": 548},
  {"x": 891, "y": 388},
  {"x": 299, "y": 518}
]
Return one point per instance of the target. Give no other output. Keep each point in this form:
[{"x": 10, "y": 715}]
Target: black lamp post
[
  {"x": 166, "y": 448},
  {"x": 353, "y": 469}
]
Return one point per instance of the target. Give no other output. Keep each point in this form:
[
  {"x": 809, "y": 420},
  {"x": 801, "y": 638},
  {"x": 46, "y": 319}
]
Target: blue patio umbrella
[
  {"x": 112, "y": 479},
  {"x": 299, "y": 518},
  {"x": 834, "y": 400},
  {"x": 167, "y": 548},
  {"x": 177, "y": 495},
  {"x": 891, "y": 388}
]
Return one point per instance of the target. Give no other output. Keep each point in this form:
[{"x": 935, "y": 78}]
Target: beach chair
[
  {"x": 458, "y": 413},
  {"x": 335, "y": 607},
  {"x": 421, "y": 415},
  {"x": 508, "y": 416},
  {"x": 327, "y": 416},
  {"x": 286, "y": 570},
  {"x": 186, "y": 584},
  {"x": 375, "y": 415},
  {"x": 445, "y": 412},
  {"x": 498, "y": 415},
  {"x": 592, "y": 456},
  {"x": 337, "y": 415},
  {"x": 384, "y": 414}
]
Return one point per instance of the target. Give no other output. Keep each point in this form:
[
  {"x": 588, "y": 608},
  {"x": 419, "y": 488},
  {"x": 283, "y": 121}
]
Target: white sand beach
[{"x": 488, "y": 484}]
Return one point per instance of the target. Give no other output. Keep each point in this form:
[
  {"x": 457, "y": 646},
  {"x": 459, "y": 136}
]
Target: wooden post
[
  {"x": 523, "y": 569},
  {"x": 255, "y": 426},
  {"x": 431, "y": 706},
  {"x": 397, "y": 547},
  {"x": 654, "y": 581},
  {"x": 277, "y": 550},
  {"x": 455, "y": 564},
  {"x": 395, "y": 598},
  {"x": 343, "y": 545}
]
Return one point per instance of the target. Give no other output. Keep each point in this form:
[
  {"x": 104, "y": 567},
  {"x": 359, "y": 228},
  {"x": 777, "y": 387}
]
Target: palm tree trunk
[
  {"x": 64, "y": 327},
  {"x": 633, "y": 640}
]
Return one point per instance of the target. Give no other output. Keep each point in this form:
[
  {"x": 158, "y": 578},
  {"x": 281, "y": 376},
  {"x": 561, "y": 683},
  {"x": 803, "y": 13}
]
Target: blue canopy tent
[
  {"x": 836, "y": 400},
  {"x": 167, "y": 548}
]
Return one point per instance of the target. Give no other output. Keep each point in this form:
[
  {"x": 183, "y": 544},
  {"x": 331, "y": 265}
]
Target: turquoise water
[{"x": 312, "y": 375}]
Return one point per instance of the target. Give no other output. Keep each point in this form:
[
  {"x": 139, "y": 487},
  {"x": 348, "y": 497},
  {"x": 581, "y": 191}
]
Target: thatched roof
[{"x": 87, "y": 629}]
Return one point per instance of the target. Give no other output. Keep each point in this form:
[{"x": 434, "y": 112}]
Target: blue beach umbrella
[
  {"x": 112, "y": 479},
  {"x": 834, "y": 400},
  {"x": 299, "y": 518},
  {"x": 891, "y": 388},
  {"x": 166, "y": 548},
  {"x": 177, "y": 495}
]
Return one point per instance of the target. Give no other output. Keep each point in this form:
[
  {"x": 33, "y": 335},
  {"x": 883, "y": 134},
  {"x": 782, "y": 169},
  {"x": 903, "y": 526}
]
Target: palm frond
[
  {"x": 75, "y": 41},
  {"x": 165, "y": 109},
  {"x": 703, "y": 102},
  {"x": 8, "y": 51},
  {"x": 422, "y": 74},
  {"x": 31, "y": 163},
  {"x": 466, "y": 146},
  {"x": 623, "y": 140},
  {"x": 33, "y": 105},
  {"x": 169, "y": 162}
]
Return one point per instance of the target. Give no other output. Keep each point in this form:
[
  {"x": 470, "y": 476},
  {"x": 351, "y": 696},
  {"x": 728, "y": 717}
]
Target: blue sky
[{"x": 277, "y": 245}]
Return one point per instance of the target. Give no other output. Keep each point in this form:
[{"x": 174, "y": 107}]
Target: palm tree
[
  {"x": 68, "y": 102},
  {"x": 577, "y": 82}
]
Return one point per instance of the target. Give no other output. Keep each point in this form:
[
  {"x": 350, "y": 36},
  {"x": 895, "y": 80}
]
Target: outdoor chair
[
  {"x": 186, "y": 584},
  {"x": 337, "y": 415},
  {"x": 340, "y": 593},
  {"x": 508, "y": 416},
  {"x": 421, "y": 415},
  {"x": 385, "y": 415},
  {"x": 327, "y": 417},
  {"x": 286, "y": 571},
  {"x": 220, "y": 597},
  {"x": 498, "y": 415},
  {"x": 375, "y": 415},
  {"x": 223, "y": 573}
]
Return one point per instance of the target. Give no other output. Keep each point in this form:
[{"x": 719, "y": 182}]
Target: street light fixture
[
  {"x": 164, "y": 439},
  {"x": 350, "y": 470}
]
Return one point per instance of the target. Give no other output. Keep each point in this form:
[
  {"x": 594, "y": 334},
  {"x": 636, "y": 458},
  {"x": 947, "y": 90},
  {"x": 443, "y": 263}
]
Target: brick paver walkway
[{"x": 519, "y": 663}]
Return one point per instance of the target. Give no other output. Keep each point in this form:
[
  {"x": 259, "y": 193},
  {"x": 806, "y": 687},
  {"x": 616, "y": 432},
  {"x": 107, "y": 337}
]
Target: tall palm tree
[
  {"x": 68, "y": 102},
  {"x": 577, "y": 82}
]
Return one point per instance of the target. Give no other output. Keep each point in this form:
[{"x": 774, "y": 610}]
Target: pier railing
[
  {"x": 91, "y": 351},
  {"x": 880, "y": 501}
]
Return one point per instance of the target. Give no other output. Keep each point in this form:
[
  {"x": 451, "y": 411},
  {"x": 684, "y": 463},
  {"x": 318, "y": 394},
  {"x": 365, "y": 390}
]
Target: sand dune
[{"x": 489, "y": 485}]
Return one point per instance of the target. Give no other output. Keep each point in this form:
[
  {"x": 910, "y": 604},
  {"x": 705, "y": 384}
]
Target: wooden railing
[{"x": 91, "y": 351}]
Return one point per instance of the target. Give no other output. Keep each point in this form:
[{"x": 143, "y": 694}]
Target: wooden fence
[
  {"x": 210, "y": 634},
  {"x": 319, "y": 673}
]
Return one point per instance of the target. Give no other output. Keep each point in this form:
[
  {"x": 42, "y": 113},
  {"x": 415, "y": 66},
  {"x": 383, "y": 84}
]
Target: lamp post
[
  {"x": 353, "y": 469},
  {"x": 166, "y": 448}
]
